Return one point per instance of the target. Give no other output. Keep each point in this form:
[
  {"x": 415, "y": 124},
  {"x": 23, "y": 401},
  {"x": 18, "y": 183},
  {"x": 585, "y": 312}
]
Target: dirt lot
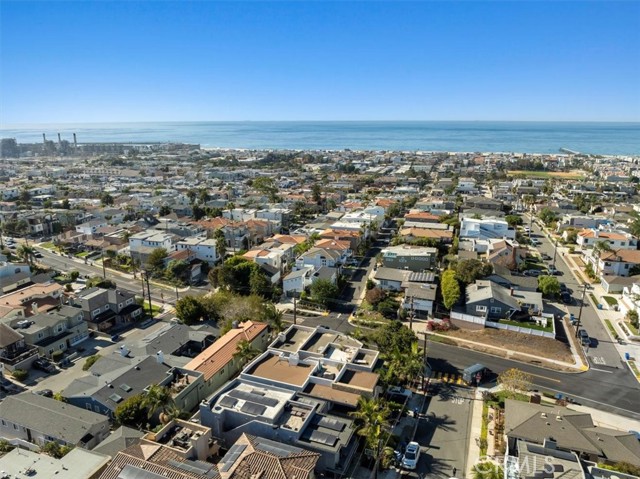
[{"x": 498, "y": 340}]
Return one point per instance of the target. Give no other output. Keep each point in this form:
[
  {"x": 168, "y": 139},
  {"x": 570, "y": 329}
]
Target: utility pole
[
  {"x": 584, "y": 291},
  {"x": 104, "y": 270},
  {"x": 424, "y": 362},
  {"x": 411, "y": 313},
  {"x": 295, "y": 311},
  {"x": 555, "y": 252},
  {"x": 149, "y": 295}
]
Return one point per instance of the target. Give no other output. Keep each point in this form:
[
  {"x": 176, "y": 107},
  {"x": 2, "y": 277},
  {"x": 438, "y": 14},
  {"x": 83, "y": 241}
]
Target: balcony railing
[{"x": 15, "y": 359}]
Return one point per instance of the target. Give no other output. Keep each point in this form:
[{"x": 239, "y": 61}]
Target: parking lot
[{"x": 443, "y": 432}]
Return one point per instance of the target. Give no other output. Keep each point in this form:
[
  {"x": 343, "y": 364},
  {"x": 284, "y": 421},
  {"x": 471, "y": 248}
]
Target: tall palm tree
[
  {"x": 245, "y": 352},
  {"x": 598, "y": 249},
  {"x": 27, "y": 253},
  {"x": 158, "y": 397},
  {"x": 372, "y": 419}
]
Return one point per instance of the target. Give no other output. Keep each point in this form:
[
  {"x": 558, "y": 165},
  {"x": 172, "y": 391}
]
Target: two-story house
[
  {"x": 412, "y": 258},
  {"x": 104, "y": 308},
  {"x": 56, "y": 331},
  {"x": 15, "y": 353},
  {"x": 485, "y": 229},
  {"x": 319, "y": 257},
  {"x": 204, "y": 249},
  {"x": 589, "y": 237}
]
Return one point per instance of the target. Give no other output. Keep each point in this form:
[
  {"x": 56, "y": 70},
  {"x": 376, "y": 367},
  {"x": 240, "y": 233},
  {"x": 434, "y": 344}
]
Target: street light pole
[
  {"x": 555, "y": 252},
  {"x": 584, "y": 291},
  {"x": 104, "y": 271}
]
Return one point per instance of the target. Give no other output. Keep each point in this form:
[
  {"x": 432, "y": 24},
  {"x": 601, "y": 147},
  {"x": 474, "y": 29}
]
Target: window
[
  {"x": 626, "y": 266},
  {"x": 96, "y": 408},
  {"x": 96, "y": 312},
  {"x": 119, "y": 305},
  {"x": 496, "y": 310},
  {"x": 88, "y": 406},
  {"x": 622, "y": 243},
  {"x": 4, "y": 423},
  {"x": 61, "y": 346},
  {"x": 481, "y": 309}
]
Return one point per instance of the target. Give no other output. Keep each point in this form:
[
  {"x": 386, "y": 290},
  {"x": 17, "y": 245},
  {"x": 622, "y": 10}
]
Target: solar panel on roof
[
  {"x": 231, "y": 457},
  {"x": 276, "y": 449},
  {"x": 132, "y": 472},
  {"x": 323, "y": 438},
  {"x": 332, "y": 424},
  {"x": 228, "y": 402},
  {"x": 253, "y": 409},
  {"x": 197, "y": 467},
  {"x": 247, "y": 396},
  {"x": 257, "y": 392}
]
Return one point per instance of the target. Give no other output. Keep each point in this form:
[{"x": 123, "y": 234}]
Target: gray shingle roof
[{"x": 54, "y": 418}]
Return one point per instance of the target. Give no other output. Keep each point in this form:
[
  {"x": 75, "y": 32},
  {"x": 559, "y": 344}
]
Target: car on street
[
  {"x": 584, "y": 337},
  {"x": 48, "y": 393},
  {"x": 566, "y": 297},
  {"x": 533, "y": 272},
  {"x": 8, "y": 386},
  {"x": 545, "y": 257},
  {"x": 37, "y": 254},
  {"x": 400, "y": 391},
  {"x": 44, "y": 365},
  {"x": 411, "y": 456}
]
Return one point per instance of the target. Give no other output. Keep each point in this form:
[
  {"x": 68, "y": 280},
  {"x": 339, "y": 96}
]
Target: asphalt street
[{"x": 159, "y": 293}]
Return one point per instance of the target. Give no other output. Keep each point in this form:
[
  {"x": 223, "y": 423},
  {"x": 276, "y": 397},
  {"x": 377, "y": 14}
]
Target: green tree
[
  {"x": 197, "y": 212},
  {"x": 164, "y": 210},
  {"x": 245, "y": 352},
  {"x": 100, "y": 282},
  {"x": 132, "y": 411},
  {"x": 450, "y": 288},
  {"x": 5, "y": 446},
  {"x": 177, "y": 270},
  {"x": 513, "y": 220},
  {"x": 55, "y": 450},
  {"x": 66, "y": 204},
  {"x": 157, "y": 398},
  {"x": 393, "y": 336},
  {"x": 371, "y": 417},
  {"x": 572, "y": 236},
  {"x": 547, "y": 216},
  {"x": 155, "y": 261},
  {"x": 266, "y": 186},
  {"x": 221, "y": 244},
  {"x": 469, "y": 270},
  {"x": 25, "y": 196},
  {"x": 548, "y": 285},
  {"x": 106, "y": 199},
  {"x": 27, "y": 253},
  {"x": 9, "y": 148},
  {"x": 633, "y": 317},
  {"x": 189, "y": 310},
  {"x": 515, "y": 381},
  {"x": 259, "y": 283},
  {"x": 323, "y": 291},
  {"x": 274, "y": 317}
]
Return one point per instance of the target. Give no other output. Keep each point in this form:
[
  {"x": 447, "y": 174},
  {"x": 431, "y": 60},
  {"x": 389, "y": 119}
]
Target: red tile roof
[{"x": 220, "y": 353}]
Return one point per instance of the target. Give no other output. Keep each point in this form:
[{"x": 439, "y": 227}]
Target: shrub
[
  {"x": 20, "y": 374},
  {"x": 91, "y": 360},
  {"x": 57, "y": 355}
]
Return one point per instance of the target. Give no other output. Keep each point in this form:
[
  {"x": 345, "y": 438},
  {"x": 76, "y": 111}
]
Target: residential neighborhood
[{"x": 168, "y": 310}]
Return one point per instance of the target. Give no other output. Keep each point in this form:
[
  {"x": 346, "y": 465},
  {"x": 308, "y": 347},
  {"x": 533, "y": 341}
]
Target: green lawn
[
  {"x": 530, "y": 325},
  {"x": 48, "y": 245},
  {"x": 634, "y": 368},
  {"x": 632, "y": 328},
  {"x": 611, "y": 329},
  {"x": 593, "y": 298},
  {"x": 611, "y": 301},
  {"x": 484, "y": 429},
  {"x": 545, "y": 174},
  {"x": 84, "y": 254}
]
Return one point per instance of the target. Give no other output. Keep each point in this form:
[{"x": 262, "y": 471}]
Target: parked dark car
[
  {"x": 48, "y": 393},
  {"x": 566, "y": 297},
  {"x": 8, "y": 386},
  {"x": 44, "y": 365}
]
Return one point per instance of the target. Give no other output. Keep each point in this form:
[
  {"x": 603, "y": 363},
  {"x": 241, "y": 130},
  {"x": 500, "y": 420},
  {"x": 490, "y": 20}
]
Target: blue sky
[{"x": 99, "y": 61}]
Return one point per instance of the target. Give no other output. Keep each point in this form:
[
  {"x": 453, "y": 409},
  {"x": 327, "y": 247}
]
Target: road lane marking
[
  {"x": 601, "y": 370},
  {"x": 545, "y": 377}
]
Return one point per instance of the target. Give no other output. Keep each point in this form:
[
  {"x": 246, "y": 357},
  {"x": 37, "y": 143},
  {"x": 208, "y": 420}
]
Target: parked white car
[{"x": 411, "y": 456}]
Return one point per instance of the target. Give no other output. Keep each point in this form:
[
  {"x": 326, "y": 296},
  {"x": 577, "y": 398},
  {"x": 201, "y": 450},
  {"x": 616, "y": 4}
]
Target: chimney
[
  {"x": 160, "y": 357},
  {"x": 59, "y": 139},
  {"x": 124, "y": 352},
  {"x": 44, "y": 138},
  {"x": 75, "y": 142},
  {"x": 34, "y": 307},
  {"x": 234, "y": 325},
  {"x": 511, "y": 290}
]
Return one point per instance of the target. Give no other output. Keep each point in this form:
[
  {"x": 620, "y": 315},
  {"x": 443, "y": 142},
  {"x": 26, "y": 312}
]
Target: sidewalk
[
  {"x": 614, "y": 317},
  {"x": 420, "y": 328}
]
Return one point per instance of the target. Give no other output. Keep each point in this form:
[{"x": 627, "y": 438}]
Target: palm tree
[
  {"x": 245, "y": 352},
  {"x": 158, "y": 397},
  {"x": 274, "y": 317},
  {"x": 487, "y": 470},
  {"x": 599, "y": 248},
  {"x": 27, "y": 253},
  {"x": 371, "y": 420}
]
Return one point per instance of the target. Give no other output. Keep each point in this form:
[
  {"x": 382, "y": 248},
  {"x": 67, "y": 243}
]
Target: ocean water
[{"x": 526, "y": 137}]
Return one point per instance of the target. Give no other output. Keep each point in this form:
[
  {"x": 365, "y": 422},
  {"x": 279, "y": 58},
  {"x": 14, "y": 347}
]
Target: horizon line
[{"x": 13, "y": 125}]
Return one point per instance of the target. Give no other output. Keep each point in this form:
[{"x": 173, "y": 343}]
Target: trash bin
[
  {"x": 599, "y": 306},
  {"x": 627, "y": 356}
]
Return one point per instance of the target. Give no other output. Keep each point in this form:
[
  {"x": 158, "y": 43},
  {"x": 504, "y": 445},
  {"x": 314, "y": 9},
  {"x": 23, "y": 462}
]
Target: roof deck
[
  {"x": 363, "y": 380},
  {"x": 281, "y": 369},
  {"x": 292, "y": 339},
  {"x": 253, "y": 400}
]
